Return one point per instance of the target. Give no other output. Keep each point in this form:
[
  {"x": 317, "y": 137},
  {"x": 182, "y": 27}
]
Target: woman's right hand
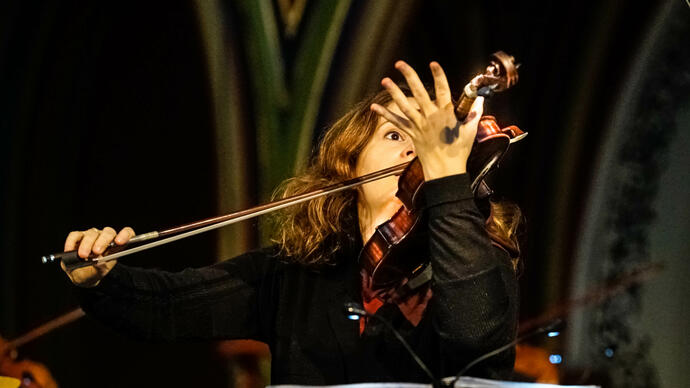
[{"x": 93, "y": 241}]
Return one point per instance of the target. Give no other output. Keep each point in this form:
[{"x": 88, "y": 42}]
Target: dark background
[{"x": 106, "y": 112}]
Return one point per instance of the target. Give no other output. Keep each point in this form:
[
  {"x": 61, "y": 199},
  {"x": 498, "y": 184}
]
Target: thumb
[
  {"x": 472, "y": 120},
  {"x": 476, "y": 111}
]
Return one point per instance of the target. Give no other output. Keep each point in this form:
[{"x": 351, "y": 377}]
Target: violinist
[{"x": 291, "y": 295}]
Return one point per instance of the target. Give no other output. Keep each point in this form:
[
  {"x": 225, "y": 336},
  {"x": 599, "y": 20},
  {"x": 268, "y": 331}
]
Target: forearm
[
  {"x": 475, "y": 291},
  {"x": 205, "y": 303}
]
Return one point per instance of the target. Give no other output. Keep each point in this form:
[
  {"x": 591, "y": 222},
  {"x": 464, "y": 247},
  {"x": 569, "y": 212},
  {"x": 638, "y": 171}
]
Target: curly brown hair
[{"x": 311, "y": 233}]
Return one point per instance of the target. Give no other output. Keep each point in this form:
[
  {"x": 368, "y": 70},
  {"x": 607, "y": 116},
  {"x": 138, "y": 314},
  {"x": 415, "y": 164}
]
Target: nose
[{"x": 409, "y": 152}]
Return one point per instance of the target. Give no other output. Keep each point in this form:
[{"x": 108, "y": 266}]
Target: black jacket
[{"x": 298, "y": 311}]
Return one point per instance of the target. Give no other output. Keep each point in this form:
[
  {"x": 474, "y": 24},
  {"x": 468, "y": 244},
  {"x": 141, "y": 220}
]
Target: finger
[
  {"x": 401, "y": 100},
  {"x": 102, "y": 269},
  {"x": 443, "y": 96},
  {"x": 418, "y": 90},
  {"x": 87, "y": 242},
  {"x": 125, "y": 234},
  {"x": 101, "y": 244},
  {"x": 472, "y": 119},
  {"x": 62, "y": 265},
  {"x": 72, "y": 240},
  {"x": 395, "y": 119}
]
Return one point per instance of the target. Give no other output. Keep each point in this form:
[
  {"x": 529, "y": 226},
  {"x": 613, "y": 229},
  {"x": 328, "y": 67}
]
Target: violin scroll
[{"x": 500, "y": 74}]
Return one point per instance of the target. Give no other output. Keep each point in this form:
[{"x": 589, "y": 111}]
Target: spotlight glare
[
  {"x": 555, "y": 359},
  {"x": 554, "y": 333}
]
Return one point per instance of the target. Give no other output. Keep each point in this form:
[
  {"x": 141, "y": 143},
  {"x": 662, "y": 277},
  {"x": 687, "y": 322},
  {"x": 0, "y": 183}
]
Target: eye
[{"x": 394, "y": 135}]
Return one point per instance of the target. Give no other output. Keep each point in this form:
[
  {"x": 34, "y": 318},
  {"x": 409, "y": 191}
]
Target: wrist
[{"x": 435, "y": 169}]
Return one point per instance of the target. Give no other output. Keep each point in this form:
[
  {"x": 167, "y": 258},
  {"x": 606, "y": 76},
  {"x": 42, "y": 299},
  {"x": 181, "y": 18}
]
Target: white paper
[{"x": 463, "y": 382}]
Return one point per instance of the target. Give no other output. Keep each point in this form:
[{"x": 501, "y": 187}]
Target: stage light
[{"x": 555, "y": 358}]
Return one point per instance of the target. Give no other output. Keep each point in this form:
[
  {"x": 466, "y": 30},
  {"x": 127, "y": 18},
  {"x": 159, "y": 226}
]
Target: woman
[{"x": 292, "y": 296}]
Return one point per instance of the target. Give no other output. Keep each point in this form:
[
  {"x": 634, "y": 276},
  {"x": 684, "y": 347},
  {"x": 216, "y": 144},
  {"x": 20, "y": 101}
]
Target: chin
[{"x": 394, "y": 203}]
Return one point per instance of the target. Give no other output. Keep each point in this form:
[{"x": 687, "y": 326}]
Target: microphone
[
  {"x": 548, "y": 327},
  {"x": 354, "y": 311}
]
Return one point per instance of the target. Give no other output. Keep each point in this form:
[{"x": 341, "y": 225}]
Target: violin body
[
  {"x": 394, "y": 252},
  {"x": 30, "y": 374}
]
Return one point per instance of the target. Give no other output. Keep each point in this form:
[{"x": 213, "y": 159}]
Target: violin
[
  {"x": 381, "y": 258},
  {"x": 31, "y": 374},
  {"x": 491, "y": 143}
]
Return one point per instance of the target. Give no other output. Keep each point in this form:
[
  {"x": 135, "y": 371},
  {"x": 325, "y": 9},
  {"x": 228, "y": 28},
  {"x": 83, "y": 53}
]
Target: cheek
[
  {"x": 364, "y": 163},
  {"x": 371, "y": 160},
  {"x": 374, "y": 158},
  {"x": 380, "y": 191}
]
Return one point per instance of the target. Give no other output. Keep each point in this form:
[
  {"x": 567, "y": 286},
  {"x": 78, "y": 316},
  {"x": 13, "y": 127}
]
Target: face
[{"x": 388, "y": 146}]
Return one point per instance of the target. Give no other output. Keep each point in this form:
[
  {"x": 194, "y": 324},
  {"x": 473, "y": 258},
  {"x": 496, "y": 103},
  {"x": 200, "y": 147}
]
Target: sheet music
[
  {"x": 463, "y": 382},
  {"x": 473, "y": 382}
]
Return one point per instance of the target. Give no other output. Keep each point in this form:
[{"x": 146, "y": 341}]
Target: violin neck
[{"x": 465, "y": 103}]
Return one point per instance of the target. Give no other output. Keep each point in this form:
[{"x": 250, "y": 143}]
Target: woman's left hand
[{"x": 441, "y": 142}]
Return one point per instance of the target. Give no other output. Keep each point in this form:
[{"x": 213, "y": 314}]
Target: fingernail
[{"x": 469, "y": 117}]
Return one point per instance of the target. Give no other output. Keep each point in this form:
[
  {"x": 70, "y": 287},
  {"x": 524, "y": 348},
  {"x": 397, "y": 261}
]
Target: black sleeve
[
  {"x": 474, "y": 306},
  {"x": 228, "y": 300}
]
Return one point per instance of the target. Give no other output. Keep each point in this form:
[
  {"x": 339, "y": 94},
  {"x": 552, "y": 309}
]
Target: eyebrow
[{"x": 383, "y": 122}]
